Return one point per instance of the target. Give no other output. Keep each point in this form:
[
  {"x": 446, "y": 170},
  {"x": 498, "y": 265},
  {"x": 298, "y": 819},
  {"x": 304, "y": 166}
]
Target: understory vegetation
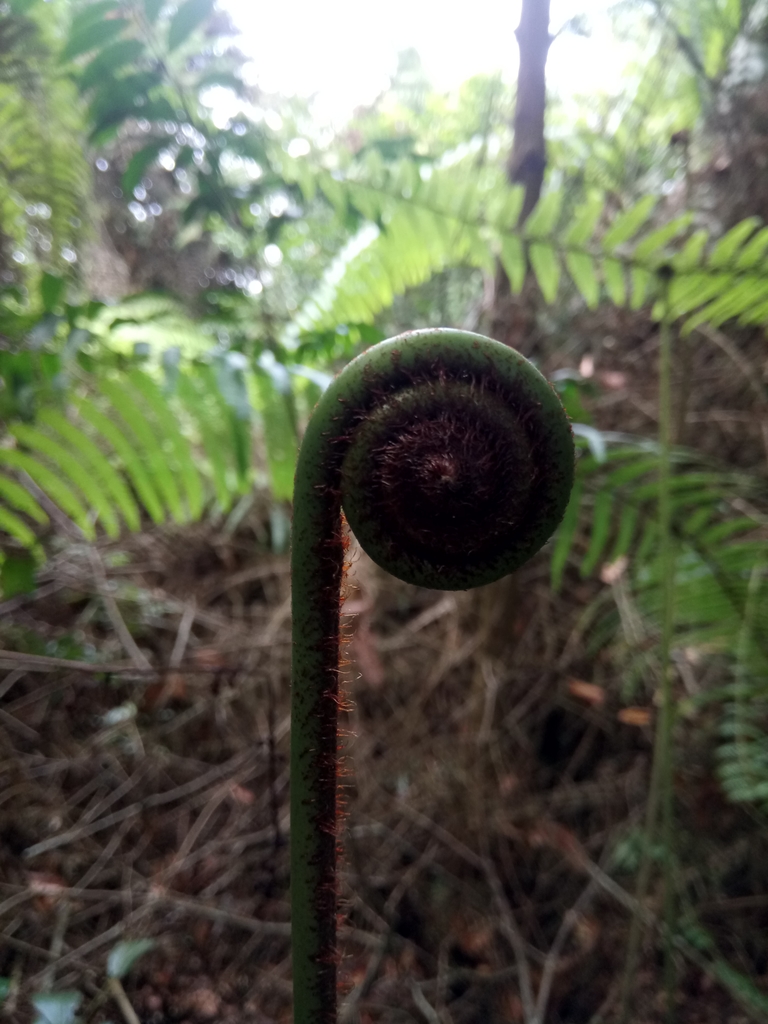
[{"x": 556, "y": 787}]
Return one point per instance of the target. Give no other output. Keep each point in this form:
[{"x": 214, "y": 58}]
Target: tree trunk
[{"x": 512, "y": 317}]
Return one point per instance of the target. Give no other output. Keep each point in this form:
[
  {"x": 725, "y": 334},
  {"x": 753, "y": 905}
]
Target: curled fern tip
[{"x": 453, "y": 460}]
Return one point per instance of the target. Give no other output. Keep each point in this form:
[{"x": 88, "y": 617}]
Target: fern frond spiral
[{"x": 452, "y": 459}]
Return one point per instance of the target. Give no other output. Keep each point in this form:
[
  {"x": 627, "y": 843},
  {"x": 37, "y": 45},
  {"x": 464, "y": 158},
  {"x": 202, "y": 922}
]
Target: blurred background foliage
[{"x": 185, "y": 261}]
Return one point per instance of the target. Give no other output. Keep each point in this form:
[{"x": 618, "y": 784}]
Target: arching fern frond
[
  {"x": 44, "y": 176},
  {"x": 123, "y": 449},
  {"x": 462, "y": 215}
]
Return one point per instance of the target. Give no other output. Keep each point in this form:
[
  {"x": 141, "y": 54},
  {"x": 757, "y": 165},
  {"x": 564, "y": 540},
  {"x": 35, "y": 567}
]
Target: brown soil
[{"x": 495, "y": 786}]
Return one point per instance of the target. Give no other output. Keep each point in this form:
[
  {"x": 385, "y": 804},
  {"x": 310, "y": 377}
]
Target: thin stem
[
  {"x": 428, "y": 439},
  {"x": 668, "y": 708},
  {"x": 661, "y": 793}
]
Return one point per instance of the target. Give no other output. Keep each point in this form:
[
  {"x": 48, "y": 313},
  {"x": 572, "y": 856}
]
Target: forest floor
[{"x": 495, "y": 781}]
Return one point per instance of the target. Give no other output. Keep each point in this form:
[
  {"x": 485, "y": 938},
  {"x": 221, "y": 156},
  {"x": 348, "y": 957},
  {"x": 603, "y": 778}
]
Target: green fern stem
[
  {"x": 453, "y": 459},
  {"x": 661, "y": 792}
]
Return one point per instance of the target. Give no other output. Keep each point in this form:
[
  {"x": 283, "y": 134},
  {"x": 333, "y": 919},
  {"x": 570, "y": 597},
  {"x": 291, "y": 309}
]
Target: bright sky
[{"x": 344, "y": 51}]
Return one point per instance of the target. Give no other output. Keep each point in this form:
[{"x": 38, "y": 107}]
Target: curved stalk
[{"x": 453, "y": 460}]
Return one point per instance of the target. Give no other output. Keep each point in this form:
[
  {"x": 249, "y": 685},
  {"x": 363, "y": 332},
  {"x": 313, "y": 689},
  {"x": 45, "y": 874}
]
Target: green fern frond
[
  {"x": 126, "y": 448},
  {"x": 44, "y": 175},
  {"x": 613, "y": 513},
  {"x": 460, "y": 216}
]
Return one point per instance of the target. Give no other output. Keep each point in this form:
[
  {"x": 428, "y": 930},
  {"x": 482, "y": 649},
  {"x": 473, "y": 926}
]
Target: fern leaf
[
  {"x": 627, "y": 224},
  {"x": 689, "y": 292},
  {"x": 743, "y": 296},
  {"x": 279, "y": 430},
  {"x": 584, "y": 223},
  {"x": 654, "y": 243},
  {"x": 544, "y": 216},
  {"x": 615, "y": 281},
  {"x": 637, "y": 468},
  {"x": 626, "y": 533},
  {"x": 546, "y": 267},
  {"x": 641, "y": 281},
  {"x": 690, "y": 255},
  {"x": 133, "y": 464},
  {"x": 212, "y": 440},
  {"x": 504, "y": 207},
  {"x": 17, "y": 529},
  {"x": 133, "y": 417},
  {"x": 52, "y": 485},
  {"x": 21, "y": 499},
  {"x": 109, "y": 479},
  {"x": 601, "y": 526},
  {"x": 169, "y": 428},
  {"x": 726, "y": 248},
  {"x": 565, "y": 536},
  {"x": 753, "y": 252},
  {"x": 67, "y": 464},
  {"x": 582, "y": 269},
  {"x": 513, "y": 261}
]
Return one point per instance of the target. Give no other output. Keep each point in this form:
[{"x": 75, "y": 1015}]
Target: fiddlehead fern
[{"x": 453, "y": 461}]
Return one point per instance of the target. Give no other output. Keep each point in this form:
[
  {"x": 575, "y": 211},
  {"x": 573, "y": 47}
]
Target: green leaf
[
  {"x": 635, "y": 469},
  {"x": 17, "y": 575},
  {"x": 109, "y": 479},
  {"x": 725, "y": 250},
  {"x": 584, "y": 223},
  {"x": 56, "y": 1007},
  {"x": 741, "y": 986},
  {"x": 565, "y": 535},
  {"x": 125, "y": 954},
  {"x": 14, "y": 527},
  {"x": 134, "y": 466},
  {"x": 692, "y": 290},
  {"x": 51, "y": 290},
  {"x": 648, "y": 543},
  {"x": 696, "y": 522},
  {"x": 628, "y": 223},
  {"x": 279, "y": 436},
  {"x": 546, "y": 268},
  {"x": 504, "y": 208},
  {"x": 108, "y": 61},
  {"x": 737, "y": 300},
  {"x": 214, "y": 439},
  {"x": 154, "y": 450},
  {"x": 139, "y": 163},
  {"x": 542, "y": 220},
  {"x": 594, "y": 438},
  {"x": 5, "y": 988},
  {"x": 656, "y": 240},
  {"x": 601, "y": 526},
  {"x": 21, "y": 499},
  {"x": 65, "y": 462},
  {"x": 181, "y": 448},
  {"x": 236, "y": 415},
  {"x": 640, "y": 281},
  {"x": 513, "y": 261},
  {"x": 690, "y": 255},
  {"x": 582, "y": 269},
  {"x": 93, "y": 34},
  {"x": 52, "y": 485},
  {"x": 714, "y": 48},
  {"x": 615, "y": 283},
  {"x": 186, "y": 19},
  {"x": 753, "y": 252},
  {"x": 627, "y": 527}
]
